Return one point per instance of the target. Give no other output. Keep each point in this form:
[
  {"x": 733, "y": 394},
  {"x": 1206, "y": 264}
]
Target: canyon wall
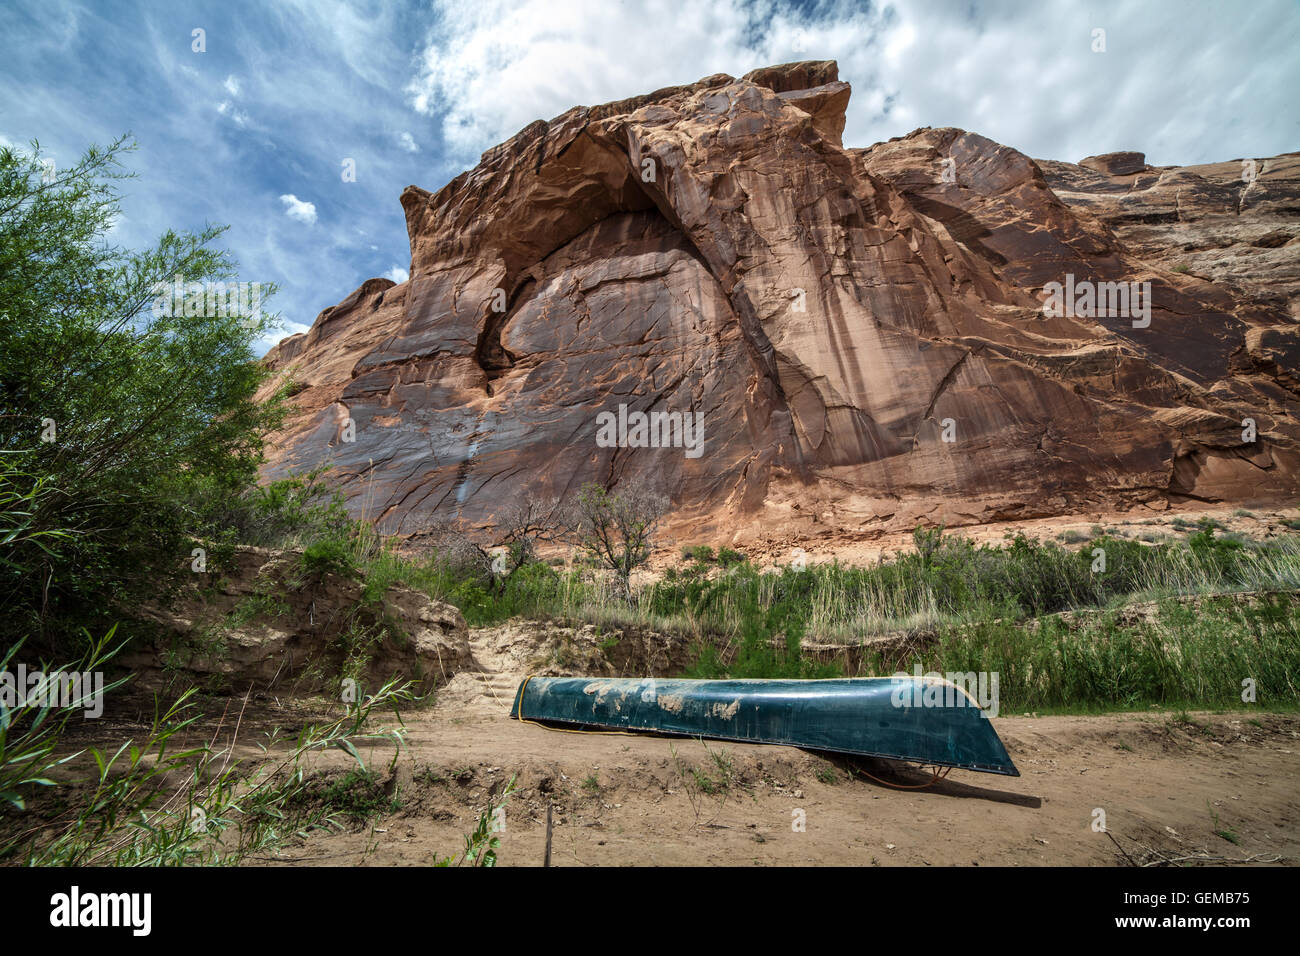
[{"x": 863, "y": 331}]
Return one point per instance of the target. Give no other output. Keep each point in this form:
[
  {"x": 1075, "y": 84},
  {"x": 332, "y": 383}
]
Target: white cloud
[
  {"x": 281, "y": 333},
  {"x": 282, "y": 56},
  {"x": 231, "y": 85},
  {"x": 408, "y": 143},
  {"x": 1184, "y": 81},
  {"x": 492, "y": 67},
  {"x": 1170, "y": 83},
  {"x": 397, "y": 274},
  {"x": 237, "y": 116},
  {"x": 295, "y": 208}
]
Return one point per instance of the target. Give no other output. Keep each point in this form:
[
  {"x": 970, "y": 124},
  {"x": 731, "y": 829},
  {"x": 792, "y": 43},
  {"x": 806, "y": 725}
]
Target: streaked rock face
[
  {"x": 862, "y": 330},
  {"x": 1234, "y": 223}
]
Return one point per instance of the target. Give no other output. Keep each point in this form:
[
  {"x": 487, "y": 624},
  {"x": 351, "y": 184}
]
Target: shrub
[
  {"x": 617, "y": 530},
  {"x": 729, "y": 558},
  {"x": 328, "y": 556},
  {"x": 116, "y": 415}
]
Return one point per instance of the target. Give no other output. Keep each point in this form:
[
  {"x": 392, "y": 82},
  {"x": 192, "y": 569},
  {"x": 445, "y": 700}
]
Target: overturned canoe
[{"x": 889, "y": 717}]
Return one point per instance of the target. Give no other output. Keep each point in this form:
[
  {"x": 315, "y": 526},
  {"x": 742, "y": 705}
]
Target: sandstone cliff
[{"x": 862, "y": 330}]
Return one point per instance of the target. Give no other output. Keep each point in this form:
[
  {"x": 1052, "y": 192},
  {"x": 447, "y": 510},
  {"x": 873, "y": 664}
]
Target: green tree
[{"x": 123, "y": 417}]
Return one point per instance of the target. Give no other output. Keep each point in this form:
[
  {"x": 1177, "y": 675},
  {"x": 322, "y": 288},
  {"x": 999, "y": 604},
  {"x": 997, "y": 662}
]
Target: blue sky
[{"x": 253, "y": 131}]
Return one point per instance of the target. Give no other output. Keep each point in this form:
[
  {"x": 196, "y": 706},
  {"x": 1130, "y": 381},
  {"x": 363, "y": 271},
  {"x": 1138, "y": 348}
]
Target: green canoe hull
[{"x": 890, "y": 717}]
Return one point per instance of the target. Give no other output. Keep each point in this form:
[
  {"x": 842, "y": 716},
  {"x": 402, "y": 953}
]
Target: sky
[{"x": 255, "y": 122}]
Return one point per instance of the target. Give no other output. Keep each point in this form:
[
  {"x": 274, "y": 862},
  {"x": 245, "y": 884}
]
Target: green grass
[
  {"x": 357, "y": 795},
  {"x": 981, "y": 608},
  {"x": 971, "y": 607},
  {"x": 717, "y": 777},
  {"x": 151, "y": 802},
  {"x": 1186, "y": 657},
  {"x": 1223, "y": 833}
]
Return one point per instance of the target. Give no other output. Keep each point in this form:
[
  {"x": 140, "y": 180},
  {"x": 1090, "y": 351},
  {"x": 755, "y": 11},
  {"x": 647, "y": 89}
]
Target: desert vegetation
[
  {"x": 1062, "y": 632},
  {"x": 130, "y": 445},
  {"x": 130, "y": 440},
  {"x": 126, "y": 432}
]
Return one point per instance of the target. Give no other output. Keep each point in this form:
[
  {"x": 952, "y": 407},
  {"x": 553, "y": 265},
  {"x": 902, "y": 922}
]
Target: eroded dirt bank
[{"x": 1172, "y": 786}]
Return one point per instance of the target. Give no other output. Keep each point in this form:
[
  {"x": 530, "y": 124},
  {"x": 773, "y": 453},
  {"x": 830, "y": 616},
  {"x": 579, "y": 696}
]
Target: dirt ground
[
  {"x": 1172, "y": 787},
  {"x": 1165, "y": 785},
  {"x": 1165, "y": 782},
  {"x": 778, "y": 545},
  {"x": 1139, "y": 524}
]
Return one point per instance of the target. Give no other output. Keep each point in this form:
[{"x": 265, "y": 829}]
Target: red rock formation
[
  {"x": 862, "y": 329},
  {"x": 1235, "y": 223}
]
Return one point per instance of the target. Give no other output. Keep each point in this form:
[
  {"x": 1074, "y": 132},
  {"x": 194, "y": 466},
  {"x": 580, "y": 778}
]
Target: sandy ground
[
  {"x": 1226, "y": 786},
  {"x": 1164, "y": 785},
  {"x": 1139, "y": 525},
  {"x": 779, "y": 545},
  {"x": 1165, "y": 782}
]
